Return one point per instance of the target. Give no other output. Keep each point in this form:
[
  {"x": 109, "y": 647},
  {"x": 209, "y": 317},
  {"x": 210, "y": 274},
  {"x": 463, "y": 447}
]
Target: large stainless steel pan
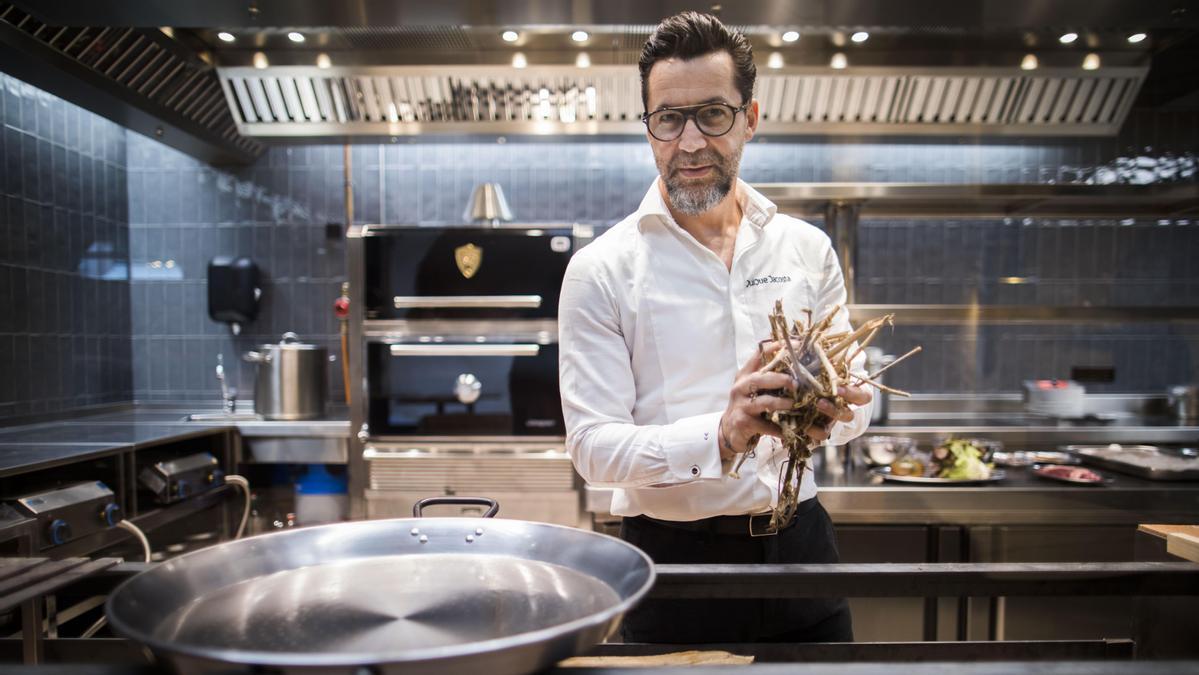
[{"x": 427, "y": 595}]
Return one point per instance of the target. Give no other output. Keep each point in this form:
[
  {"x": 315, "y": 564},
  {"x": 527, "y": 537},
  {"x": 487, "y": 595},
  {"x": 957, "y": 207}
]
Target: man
[{"x": 660, "y": 320}]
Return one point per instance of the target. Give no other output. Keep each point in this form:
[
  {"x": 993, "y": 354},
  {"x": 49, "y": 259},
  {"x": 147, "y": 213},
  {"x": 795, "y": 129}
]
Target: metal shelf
[
  {"x": 936, "y": 200},
  {"x": 1012, "y": 314}
]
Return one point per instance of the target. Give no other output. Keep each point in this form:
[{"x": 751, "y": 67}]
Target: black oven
[
  {"x": 507, "y": 272},
  {"x": 436, "y": 385}
]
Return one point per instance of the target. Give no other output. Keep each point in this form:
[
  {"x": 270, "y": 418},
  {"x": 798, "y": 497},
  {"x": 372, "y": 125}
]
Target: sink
[{"x": 222, "y": 417}]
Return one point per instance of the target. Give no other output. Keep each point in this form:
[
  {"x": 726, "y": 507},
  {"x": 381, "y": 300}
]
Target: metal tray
[
  {"x": 1103, "y": 480},
  {"x": 884, "y": 472},
  {"x": 1107, "y": 457}
]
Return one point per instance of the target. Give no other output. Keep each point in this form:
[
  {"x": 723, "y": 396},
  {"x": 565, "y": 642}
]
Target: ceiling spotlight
[
  {"x": 579, "y": 36},
  {"x": 225, "y": 36},
  {"x": 791, "y": 36},
  {"x": 1029, "y": 62},
  {"x": 510, "y": 36},
  {"x": 860, "y": 36},
  {"x": 775, "y": 61},
  {"x": 582, "y": 60},
  {"x": 519, "y": 60},
  {"x": 1068, "y": 38},
  {"x": 295, "y": 37},
  {"x": 838, "y": 61},
  {"x": 323, "y": 60},
  {"x": 1137, "y": 37},
  {"x": 260, "y": 60},
  {"x": 1090, "y": 61}
]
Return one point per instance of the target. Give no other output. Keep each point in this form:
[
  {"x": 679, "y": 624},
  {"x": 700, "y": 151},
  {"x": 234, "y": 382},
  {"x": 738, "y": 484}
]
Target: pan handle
[{"x": 493, "y": 507}]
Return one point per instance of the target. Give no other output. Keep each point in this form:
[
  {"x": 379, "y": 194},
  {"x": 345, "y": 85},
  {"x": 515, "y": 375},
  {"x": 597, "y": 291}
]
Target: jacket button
[{"x": 694, "y": 470}]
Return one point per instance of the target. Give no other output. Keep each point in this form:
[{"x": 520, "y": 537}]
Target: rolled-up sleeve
[
  {"x": 832, "y": 294},
  {"x": 599, "y": 391}
]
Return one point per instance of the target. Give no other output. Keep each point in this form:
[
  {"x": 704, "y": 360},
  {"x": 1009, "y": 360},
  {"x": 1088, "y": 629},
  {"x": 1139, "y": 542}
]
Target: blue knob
[
  {"x": 183, "y": 488},
  {"x": 60, "y": 531},
  {"x": 217, "y": 477},
  {"x": 111, "y": 514}
]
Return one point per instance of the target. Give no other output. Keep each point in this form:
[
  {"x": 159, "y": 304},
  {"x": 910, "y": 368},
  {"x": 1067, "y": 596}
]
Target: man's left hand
[{"x": 837, "y": 413}]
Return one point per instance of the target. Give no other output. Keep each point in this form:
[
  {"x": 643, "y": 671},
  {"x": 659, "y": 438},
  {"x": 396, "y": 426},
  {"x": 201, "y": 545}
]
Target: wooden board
[
  {"x": 688, "y": 658},
  {"x": 1163, "y": 531},
  {"x": 1183, "y": 545}
]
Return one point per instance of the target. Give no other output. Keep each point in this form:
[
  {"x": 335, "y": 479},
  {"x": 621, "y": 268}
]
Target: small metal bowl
[{"x": 883, "y": 450}]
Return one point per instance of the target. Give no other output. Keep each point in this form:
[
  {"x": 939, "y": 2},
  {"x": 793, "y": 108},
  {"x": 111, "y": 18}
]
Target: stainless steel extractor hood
[
  {"x": 291, "y": 101},
  {"x": 407, "y": 67}
]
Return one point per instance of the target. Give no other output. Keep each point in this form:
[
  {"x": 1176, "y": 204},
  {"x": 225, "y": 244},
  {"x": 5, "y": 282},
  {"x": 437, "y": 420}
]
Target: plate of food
[
  {"x": 953, "y": 462},
  {"x": 1075, "y": 475}
]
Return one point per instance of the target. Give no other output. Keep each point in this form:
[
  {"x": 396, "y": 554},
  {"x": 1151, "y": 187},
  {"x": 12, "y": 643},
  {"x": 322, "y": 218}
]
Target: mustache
[{"x": 708, "y": 156}]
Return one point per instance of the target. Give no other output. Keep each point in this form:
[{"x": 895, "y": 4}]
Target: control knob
[
  {"x": 60, "y": 531},
  {"x": 111, "y": 514}
]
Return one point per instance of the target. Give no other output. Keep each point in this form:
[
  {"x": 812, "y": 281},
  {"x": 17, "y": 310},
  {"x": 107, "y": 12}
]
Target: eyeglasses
[{"x": 712, "y": 119}]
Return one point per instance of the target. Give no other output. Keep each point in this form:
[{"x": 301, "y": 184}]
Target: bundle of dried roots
[{"x": 819, "y": 361}]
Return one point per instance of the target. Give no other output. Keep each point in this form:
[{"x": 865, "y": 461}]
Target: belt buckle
[{"x": 767, "y": 533}]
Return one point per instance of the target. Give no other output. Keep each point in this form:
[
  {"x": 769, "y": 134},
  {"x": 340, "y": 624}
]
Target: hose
[
  {"x": 137, "y": 532},
  {"x": 141, "y": 536},
  {"x": 244, "y": 484}
]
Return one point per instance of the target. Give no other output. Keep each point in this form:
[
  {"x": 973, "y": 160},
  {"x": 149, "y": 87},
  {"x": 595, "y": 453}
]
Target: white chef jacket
[{"x": 653, "y": 329}]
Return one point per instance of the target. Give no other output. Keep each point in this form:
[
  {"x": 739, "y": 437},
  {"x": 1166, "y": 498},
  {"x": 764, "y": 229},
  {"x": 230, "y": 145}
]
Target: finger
[
  {"x": 771, "y": 380},
  {"x": 834, "y": 412},
  {"x": 761, "y": 427},
  {"x": 763, "y": 404},
  {"x": 816, "y": 433},
  {"x": 855, "y": 395},
  {"x": 748, "y": 425}
]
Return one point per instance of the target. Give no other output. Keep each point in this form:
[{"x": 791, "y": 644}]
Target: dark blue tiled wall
[
  {"x": 64, "y": 289},
  {"x": 183, "y": 213}
]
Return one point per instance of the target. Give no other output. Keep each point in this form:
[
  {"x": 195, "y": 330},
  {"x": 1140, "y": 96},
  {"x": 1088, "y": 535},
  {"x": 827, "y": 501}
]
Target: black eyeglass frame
[{"x": 690, "y": 112}]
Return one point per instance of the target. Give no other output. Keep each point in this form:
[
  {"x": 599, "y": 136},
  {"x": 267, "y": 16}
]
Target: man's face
[{"x": 697, "y": 170}]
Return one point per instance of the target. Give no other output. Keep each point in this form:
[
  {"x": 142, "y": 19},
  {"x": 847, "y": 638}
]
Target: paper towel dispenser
[{"x": 233, "y": 291}]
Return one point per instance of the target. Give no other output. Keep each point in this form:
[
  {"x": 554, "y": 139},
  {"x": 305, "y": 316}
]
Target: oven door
[
  {"x": 432, "y": 385},
  {"x": 466, "y": 272}
]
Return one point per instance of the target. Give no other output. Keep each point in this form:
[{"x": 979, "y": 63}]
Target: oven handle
[
  {"x": 466, "y": 350},
  {"x": 468, "y": 301}
]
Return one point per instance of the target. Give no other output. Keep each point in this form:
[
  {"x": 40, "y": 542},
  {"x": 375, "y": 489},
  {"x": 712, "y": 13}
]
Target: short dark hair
[{"x": 691, "y": 34}]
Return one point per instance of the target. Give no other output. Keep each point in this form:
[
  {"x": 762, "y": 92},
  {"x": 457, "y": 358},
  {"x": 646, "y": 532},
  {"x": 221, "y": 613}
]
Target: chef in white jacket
[{"x": 659, "y": 322}]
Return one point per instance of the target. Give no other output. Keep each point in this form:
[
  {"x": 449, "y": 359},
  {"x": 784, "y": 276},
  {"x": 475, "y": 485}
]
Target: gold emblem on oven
[{"x": 469, "y": 257}]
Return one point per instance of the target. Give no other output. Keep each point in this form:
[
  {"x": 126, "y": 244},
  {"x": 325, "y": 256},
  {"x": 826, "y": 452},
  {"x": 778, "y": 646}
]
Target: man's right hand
[{"x": 742, "y": 425}]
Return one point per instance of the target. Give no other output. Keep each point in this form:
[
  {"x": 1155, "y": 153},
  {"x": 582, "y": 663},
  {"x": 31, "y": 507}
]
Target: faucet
[{"x": 228, "y": 394}]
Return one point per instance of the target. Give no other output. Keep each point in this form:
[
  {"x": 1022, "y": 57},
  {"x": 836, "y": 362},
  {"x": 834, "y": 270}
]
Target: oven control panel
[
  {"x": 177, "y": 479},
  {"x": 71, "y": 512}
]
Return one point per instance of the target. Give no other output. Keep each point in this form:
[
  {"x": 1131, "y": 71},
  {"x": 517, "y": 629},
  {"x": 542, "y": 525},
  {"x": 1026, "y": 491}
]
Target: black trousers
[{"x": 810, "y": 539}]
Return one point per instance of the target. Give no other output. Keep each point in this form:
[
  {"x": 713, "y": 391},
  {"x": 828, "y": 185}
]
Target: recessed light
[
  {"x": 775, "y": 60},
  {"x": 226, "y": 36},
  {"x": 510, "y": 36},
  {"x": 519, "y": 60},
  {"x": 838, "y": 61},
  {"x": 579, "y": 36},
  {"x": 1068, "y": 38},
  {"x": 791, "y": 36},
  {"x": 1029, "y": 62},
  {"x": 1090, "y": 61},
  {"x": 582, "y": 60},
  {"x": 860, "y": 36},
  {"x": 260, "y": 60},
  {"x": 323, "y": 60},
  {"x": 295, "y": 37},
  {"x": 1137, "y": 37}
]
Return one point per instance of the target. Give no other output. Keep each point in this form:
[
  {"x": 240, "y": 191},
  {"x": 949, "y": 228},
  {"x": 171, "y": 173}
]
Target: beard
[{"x": 695, "y": 197}]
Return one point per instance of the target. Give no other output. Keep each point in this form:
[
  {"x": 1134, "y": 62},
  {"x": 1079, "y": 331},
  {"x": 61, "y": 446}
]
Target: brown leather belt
[{"x": 742, "y": 525}]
